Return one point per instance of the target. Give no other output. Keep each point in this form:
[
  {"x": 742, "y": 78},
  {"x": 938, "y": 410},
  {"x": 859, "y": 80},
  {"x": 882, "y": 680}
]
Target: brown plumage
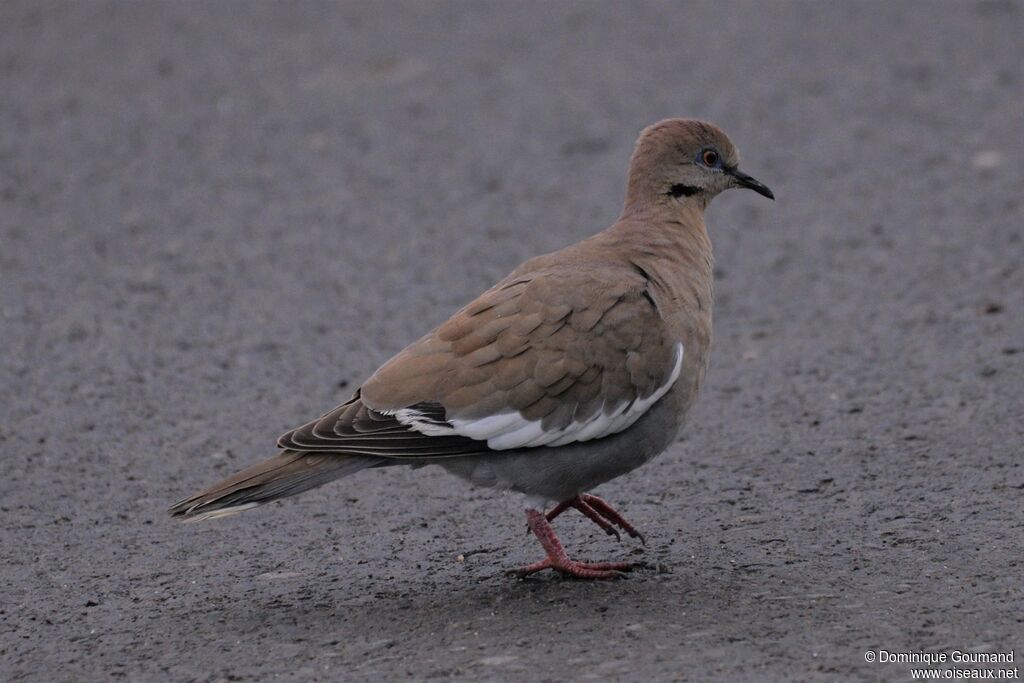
[{"x": 577, "y": 367}]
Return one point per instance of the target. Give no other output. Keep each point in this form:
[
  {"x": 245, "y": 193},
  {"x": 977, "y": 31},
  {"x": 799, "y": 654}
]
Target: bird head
[{"x": 685, "y": 162}]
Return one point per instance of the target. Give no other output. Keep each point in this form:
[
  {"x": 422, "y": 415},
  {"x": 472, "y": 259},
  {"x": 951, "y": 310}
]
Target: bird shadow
[{"x": 492, "y": 602}]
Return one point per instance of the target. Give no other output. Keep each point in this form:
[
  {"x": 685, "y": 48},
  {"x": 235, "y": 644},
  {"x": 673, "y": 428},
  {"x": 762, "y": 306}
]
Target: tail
[{"x": 285, "y": 474}]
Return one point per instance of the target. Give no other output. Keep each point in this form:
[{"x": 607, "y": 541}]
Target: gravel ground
[{"x": 217, "y": 218}]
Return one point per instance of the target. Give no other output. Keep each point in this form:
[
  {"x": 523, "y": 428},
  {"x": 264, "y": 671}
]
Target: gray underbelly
[{"x": 557, "y": 474}]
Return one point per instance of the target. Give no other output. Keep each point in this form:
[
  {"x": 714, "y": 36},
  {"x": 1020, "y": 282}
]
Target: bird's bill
[{"x": 743, "y": 180}]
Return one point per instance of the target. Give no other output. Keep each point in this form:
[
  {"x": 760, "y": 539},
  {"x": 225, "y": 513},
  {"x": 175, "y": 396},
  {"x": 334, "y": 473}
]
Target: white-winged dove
[{"x": 576, "y": 368}]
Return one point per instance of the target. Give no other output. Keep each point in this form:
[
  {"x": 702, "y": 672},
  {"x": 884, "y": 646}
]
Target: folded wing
[{"x": 542, "y": 359}]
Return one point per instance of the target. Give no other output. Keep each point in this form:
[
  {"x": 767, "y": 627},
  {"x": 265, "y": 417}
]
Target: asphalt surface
[{"x": 217, "y": 218}]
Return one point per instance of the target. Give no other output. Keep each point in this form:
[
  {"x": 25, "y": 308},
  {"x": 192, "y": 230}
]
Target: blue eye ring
[{"x": 710, "y": 157}]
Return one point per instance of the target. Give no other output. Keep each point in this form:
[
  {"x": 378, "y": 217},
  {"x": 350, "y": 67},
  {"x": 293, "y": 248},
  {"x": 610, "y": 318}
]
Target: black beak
[{"x": 743, "y": 180}]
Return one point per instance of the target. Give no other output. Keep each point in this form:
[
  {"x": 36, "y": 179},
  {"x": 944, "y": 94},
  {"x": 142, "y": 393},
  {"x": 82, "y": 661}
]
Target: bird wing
[{"x": 546, "y": 358}]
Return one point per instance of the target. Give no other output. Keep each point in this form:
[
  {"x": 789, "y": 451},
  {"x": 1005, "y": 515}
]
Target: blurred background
[{"x": 216, "y": 219}]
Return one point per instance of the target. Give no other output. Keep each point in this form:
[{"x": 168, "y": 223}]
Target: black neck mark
[
  {"x": 646, "y": 293},
  {"x": 682, "y": 191}
]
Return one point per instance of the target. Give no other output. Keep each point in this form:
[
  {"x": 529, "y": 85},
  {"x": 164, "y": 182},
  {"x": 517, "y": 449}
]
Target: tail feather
[{"x": 285, "y": 474}]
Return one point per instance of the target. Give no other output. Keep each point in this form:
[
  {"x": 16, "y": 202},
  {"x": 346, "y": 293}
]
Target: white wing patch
[
  {"x": 510, "y": 430},
  {"x": 420, "y": 422}
]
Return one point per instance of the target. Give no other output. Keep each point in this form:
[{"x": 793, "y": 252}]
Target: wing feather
[
  {"x": 547, "y": 358},
  {"x": 550, "y": 358}
]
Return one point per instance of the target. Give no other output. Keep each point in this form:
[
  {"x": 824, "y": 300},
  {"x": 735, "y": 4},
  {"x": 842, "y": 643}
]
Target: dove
[{"x": 578, "y": 367}]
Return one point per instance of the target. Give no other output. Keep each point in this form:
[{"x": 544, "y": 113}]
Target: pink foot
[
  {"x": 578, "y": 570},
  {"x": 557, "y": 558},
  {"x": 600, "y": 512}
]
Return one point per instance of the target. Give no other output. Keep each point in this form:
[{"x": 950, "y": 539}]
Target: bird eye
[{"x": 710, "y": 158}]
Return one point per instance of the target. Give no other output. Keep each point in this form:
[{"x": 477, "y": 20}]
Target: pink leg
[
  {"x": 594, "y": 516},
  {"x": 560, "y": 508},
  {"x": 600, "y": 512},
  {"x": 557, "y": 558},
  {"x": 605, "y": 510},
  {"x": 591, "y": 514}
]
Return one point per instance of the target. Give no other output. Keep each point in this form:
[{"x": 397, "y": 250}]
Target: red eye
[{"x": 710, "y": 157}]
